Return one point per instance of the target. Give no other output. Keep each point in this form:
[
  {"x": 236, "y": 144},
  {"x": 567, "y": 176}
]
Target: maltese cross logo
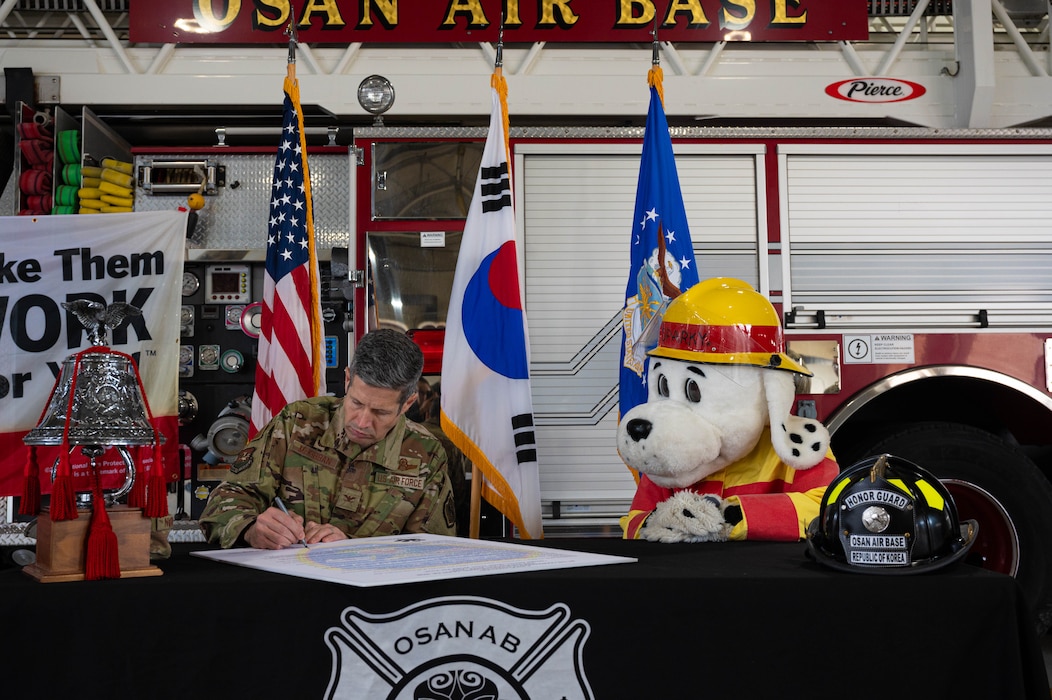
[{"x": 458, "y": 648}]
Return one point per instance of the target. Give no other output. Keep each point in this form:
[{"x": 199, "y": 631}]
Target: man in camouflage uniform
[{"x": 350, "y": 467}]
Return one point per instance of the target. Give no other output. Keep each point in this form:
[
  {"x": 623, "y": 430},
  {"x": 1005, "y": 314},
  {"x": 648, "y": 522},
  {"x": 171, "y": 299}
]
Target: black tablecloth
[{"x": 733, "y": 620}]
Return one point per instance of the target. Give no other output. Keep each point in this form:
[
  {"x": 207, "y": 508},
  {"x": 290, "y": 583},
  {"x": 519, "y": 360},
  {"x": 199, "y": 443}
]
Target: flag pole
[
  {"x": 655, "y": 76},
  {"x": 290, "y": 30},
  {"x": 500, "y": 85},
  {"x": 659, "y": 212},
  {"x": 474, "y": 524},
  {"x": 290, "y": 363},
  {"x": 293, "y": 88}
]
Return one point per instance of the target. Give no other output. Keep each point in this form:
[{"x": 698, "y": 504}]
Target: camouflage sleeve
[
  {"x": 436, "y": 511},
  {"x": 249, "y": 490},
  {"x": 459, "y": 467}
]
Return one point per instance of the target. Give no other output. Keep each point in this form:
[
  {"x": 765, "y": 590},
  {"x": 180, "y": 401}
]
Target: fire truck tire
[{"x": 995, "y": 483}]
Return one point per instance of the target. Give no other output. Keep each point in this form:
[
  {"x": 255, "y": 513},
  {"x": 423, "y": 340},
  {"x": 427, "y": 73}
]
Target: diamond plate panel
[
  {"x": 236, "y": 217},
  {"x": 12, "y": 533},
  {"x": 8, "y": 197}
]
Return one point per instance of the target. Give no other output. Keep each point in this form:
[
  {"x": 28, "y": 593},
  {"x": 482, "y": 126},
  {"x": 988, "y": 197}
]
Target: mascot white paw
[{"x": 687, "y": 517}]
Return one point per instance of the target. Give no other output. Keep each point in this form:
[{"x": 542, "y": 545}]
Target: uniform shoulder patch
[
  {"x": 243, "y": 460},
  {"x": 449, "y": 510}
]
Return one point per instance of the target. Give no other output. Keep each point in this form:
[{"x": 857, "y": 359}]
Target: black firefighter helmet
[{"x": 886, "y": 515}]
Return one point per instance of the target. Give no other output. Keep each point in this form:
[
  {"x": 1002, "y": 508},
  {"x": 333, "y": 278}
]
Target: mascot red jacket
[{"x": 718, "y": 453}]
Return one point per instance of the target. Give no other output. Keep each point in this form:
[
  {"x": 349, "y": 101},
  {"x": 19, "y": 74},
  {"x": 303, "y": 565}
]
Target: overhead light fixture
[
  {"x": 223, "y": 132},
  {"x": 376, "y": 95}
]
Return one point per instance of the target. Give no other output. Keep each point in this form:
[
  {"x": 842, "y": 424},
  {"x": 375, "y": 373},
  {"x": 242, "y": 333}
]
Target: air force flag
[{"x": 662, "y": 254}]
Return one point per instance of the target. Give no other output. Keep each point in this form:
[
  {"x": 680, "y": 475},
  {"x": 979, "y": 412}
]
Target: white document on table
[{"x": 382, "y": 561}]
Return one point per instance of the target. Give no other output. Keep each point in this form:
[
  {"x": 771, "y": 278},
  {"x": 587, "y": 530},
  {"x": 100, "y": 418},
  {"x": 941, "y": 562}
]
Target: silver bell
[{"x": 107, "y": 407}]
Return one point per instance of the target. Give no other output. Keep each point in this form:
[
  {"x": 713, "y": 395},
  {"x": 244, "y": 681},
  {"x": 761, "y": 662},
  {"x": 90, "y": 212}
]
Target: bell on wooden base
[
  {"x": 98, "y": 402},
  {"x": 105, "y": 407}
]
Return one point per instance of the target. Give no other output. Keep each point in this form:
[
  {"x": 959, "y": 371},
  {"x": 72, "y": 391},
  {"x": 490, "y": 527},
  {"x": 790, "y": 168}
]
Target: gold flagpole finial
[
  {"x": 499, "y": 62},
  {"x": 500, "y": 84},
  {"x": 290, "y": 31},
  {"x": 655, "y": 76},
  {"x": 655, "y": 54}
]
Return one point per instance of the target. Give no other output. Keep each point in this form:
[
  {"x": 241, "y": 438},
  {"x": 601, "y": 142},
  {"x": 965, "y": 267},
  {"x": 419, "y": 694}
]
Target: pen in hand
[{"x": 281, "y": 504}]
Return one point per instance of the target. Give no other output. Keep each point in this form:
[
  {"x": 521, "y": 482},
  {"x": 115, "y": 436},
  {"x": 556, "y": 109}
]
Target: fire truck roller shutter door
[{"x": 997, "y": 484}]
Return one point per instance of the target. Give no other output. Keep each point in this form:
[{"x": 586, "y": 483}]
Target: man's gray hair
[{"x": 388, "y": 359}]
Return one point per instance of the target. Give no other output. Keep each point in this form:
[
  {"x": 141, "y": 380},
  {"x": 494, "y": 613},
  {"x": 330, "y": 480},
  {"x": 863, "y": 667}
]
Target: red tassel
[
  {"x": 157, "y": 489},
  {"x": 63, "y": 502},
  {"x": 30, "y": 502},
  {"x": 102, "y": 561},
  {"x": 137, "y": 497},
  {"x": 157, "y": 492}
]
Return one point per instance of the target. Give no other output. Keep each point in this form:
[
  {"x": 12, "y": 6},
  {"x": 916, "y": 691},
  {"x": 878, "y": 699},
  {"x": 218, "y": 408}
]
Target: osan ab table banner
[{"x": 135, "y": 258}]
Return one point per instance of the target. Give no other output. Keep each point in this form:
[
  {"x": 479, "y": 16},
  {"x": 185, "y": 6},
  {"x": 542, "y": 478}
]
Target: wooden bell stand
[{"x": 62, "y": 545}]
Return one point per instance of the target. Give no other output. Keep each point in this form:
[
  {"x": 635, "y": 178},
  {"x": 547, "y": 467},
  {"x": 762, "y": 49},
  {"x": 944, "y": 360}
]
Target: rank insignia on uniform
[
  {"x": 408, "y": 463},
  {"x": 243, "y": 460}
]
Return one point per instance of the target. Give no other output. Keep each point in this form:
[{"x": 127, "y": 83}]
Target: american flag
[{"x": 290, "y": 365}]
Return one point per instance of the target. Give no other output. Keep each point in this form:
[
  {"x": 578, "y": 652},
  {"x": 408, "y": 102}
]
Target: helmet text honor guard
[{"x": 886, "y": 515}]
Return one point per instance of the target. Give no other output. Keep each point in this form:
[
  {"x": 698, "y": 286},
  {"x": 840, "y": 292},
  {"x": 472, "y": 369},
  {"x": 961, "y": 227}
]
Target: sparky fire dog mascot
[{"x": 719, "y": 455}]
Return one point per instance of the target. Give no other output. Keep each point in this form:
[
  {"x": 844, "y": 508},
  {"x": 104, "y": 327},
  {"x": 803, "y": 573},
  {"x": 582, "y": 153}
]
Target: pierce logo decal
[{"x": 875, "y": 90}]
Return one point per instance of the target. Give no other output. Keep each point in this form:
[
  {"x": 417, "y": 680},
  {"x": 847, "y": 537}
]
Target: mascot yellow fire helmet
[{"x": 724, "y": 321}]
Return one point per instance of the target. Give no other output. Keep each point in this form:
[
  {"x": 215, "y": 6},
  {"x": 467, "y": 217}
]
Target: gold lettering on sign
[
  {"x": 472, "y": 8},
  {"x": 205, "y": 14},
  {"x": 781, "y": 14},
  {"x": 737, "y": 14},
  {"x": 268, "y": 20},
  {"x": 511, "y": 13},
  {"x": 634, "y": 13},
  {"x": 271, "y": 15},
  {"x": 549, "y": 18},
  {"x": 388, "y": 10},
  {"x": 691, "y": 7},
  {"x": 326, "y": 7}
]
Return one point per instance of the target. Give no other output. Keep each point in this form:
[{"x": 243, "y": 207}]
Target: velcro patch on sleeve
[
  {"x": 449, "y": 510},
  {"x": 243, "y": 460},
  {"x": 314, "y": 455},
  {"x": 402, "y": 481}
]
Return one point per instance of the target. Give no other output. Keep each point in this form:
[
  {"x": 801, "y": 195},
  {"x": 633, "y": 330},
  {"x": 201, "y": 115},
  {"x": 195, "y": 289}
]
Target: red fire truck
[
  {"x": 911, "y": 268},
  {"x": 888, "y": 189}
]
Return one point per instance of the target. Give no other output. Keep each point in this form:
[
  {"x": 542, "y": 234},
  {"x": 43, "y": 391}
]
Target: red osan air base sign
[{"x": 445, "y": 21}]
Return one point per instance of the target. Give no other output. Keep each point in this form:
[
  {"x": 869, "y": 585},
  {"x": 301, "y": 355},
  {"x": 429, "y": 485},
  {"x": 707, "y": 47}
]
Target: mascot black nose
[{"x": 638, "y": 429}]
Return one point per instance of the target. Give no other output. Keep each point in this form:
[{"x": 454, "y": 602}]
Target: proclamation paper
[{"x": 382, "y": 561}]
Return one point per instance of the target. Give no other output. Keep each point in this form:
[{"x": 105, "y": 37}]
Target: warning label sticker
[{"x": 879, "y": 348}]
